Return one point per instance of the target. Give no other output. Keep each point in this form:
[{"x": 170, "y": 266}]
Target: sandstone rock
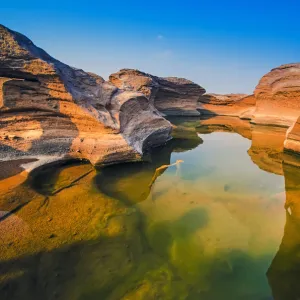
[
  {"x": 292, "y": 143},
  {"x": 278, "y": 97},
  {"x": 235, "y": 105},
  {"x": 170, "y": 95},
  {"x": 54, "y": 109}
]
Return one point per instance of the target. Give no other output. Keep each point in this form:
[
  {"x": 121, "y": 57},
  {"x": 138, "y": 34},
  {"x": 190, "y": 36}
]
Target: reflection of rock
[
  {"x": 267, "y": 141},
  {"x": 49, "y": 108},
  {"x": 132, "y": 183},
  {"x": 236, "y": 105},
  {"x": 170, "y": 95},
  {"x": 278, "y": 96},
  {"x": 267, "y": 147},
  {"x": 184, "y": 138},
  {"x": 284, "y": 272},
  {"x": 292, "y": 187},
  {"x": 225, "y": 124},
  {"x": 85, "y": 244}
]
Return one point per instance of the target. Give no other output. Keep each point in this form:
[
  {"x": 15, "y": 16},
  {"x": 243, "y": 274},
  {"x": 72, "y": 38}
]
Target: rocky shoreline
[{"x": 52, "y": 111}]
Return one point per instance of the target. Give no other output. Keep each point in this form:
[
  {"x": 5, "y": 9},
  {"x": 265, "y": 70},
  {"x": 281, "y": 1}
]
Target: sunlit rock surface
[
  {"x": 170, "y": 95},
  {"x": 278, "y": 96},
  {"x": 292, "y": 142},
  {"x": 236, "y": 105},
  {"x": 51, "y": 109}
]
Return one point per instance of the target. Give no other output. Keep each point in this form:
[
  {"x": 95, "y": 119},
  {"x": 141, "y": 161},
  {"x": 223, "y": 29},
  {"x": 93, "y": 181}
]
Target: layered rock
[
  {"x": 278, "y": 97},
  {"x": 235, "y": 105},
  {"x": 51, "y": 109},
  {"x": 170, "y": 95}
]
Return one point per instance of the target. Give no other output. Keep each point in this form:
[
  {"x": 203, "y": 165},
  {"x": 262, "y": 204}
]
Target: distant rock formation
[
  {"x": 235, "y": 105},
  {"x": 51, "y": 109},
  {"x": 170, "y": 95},
  {"x": 278, "y": 97}
]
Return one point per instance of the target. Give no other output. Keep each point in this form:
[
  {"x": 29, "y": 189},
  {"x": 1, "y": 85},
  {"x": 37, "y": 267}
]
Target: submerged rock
[
  {"x": 57, "y": 110},
  {"x": 170, "y": 95}
]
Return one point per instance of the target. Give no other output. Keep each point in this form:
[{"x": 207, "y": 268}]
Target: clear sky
[{"x": 225, "y": 46}]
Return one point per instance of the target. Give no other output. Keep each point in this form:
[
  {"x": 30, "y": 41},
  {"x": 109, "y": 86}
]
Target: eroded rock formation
[
  {"x": 278, "y": 103},
  {"x": 51, "y": 109},
  {"x": 170, "y": 95},
  {"x": 235, "y": 105},
  {"x": 292, "y": 142},
  {"x": 278, "y": 97}
]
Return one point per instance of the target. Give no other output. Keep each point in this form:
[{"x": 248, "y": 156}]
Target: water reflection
[
  {"x": 284, "y": 272},
  {"x": 132, "y": 183},
  {"x": 210, "y": 231}
]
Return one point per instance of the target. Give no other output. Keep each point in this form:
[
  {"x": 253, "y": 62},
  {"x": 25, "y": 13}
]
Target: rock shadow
[{"x": 131, "y": 182}]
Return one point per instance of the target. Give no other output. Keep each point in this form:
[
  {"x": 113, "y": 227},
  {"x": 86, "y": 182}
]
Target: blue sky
[{"x": 225, "y": 46}]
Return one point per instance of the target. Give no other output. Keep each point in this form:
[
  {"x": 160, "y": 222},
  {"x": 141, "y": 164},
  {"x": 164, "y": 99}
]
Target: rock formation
[
  {"x": 292, "y": 143},
  {"x": 235, "y": 105},
  {"x": 51, "y": 109},
  {"x": 170, "y": 95},
  {"x": 278, "y": 97}
]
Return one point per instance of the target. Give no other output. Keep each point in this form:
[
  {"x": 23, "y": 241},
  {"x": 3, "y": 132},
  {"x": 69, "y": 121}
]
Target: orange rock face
[
  {"x": 278, "y": 96},
  {"x": 292, "y": 142},
  {"x": 51, "y": 109},
  {"x": 235, "y": 105},
  {"x": 170, "y": 95}
]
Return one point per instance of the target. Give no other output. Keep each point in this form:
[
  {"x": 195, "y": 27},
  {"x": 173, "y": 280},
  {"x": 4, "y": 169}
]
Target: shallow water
[{"x": 210, "y": 227}]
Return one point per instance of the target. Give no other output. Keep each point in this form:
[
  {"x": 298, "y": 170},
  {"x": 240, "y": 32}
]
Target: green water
[{"x": 211, "y": 227}]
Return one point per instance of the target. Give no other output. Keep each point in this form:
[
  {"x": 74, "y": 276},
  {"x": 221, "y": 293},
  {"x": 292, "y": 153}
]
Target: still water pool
[{"x": 211, "y": 226}]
